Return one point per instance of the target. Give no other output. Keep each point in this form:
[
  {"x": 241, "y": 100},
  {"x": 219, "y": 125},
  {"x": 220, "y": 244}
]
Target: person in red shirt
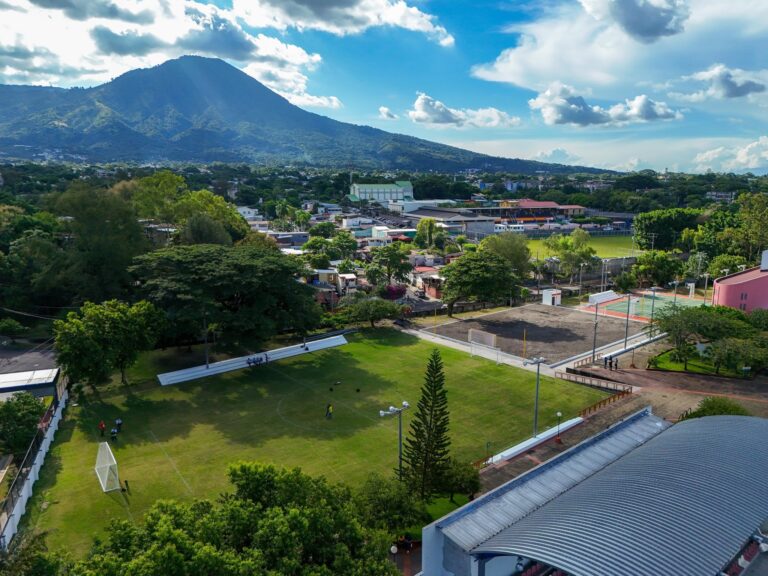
[{"x": 102, "y": 427}]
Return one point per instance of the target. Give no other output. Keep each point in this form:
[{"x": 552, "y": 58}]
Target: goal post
[
  {"x": 481, "y": 337},
  {"x": 106, "y": 468}
]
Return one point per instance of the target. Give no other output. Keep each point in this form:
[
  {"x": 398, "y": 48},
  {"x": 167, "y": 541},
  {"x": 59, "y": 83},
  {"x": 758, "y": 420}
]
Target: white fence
[
  {"x": 19, "y": 495},
  {"x": 247, "y": 361}
]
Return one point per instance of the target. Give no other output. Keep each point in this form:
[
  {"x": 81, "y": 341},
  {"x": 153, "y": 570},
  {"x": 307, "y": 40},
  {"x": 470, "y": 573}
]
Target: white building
[
  {"x": 382, "y": 193},
  {"x": 405, "y": 206}
]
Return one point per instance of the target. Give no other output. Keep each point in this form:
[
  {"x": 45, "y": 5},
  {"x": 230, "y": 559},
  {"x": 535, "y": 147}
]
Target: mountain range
[{"x": 195, "y": 109}]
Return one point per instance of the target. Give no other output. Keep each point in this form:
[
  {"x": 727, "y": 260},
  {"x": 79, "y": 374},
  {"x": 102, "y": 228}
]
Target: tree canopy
[
  {"x": 513, "y": 248},
  {"x": 479, "y": 276}
]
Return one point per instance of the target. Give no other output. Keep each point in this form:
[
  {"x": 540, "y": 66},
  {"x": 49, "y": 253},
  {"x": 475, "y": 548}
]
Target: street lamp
[
  {"x": 594, "y": 337},
  {"x": 581, "y": 269},
  {"x": 558, "y": 440},
  {"x": 626, "y": 326},
  {"x": 538, "y": 361},
  {"x": 653, "y": 304},
  {"x": 391, "y": 411},
  {"x": 675, "y": 283}
]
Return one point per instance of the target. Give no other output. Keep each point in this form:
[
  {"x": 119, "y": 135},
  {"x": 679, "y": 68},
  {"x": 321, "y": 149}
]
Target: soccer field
[
  {"x": 605, "y": 246},
  {"x": 177, "y": 441}
]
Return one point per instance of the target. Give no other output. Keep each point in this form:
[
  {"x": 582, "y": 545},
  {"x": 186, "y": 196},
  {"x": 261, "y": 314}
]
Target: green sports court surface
[{"x": 646, "y": 302}]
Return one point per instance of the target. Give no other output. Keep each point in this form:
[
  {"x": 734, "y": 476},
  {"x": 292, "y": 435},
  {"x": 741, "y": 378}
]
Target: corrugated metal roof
[
  {"x": 483, "y": 518},
  {"x": 684, "y": 503}
]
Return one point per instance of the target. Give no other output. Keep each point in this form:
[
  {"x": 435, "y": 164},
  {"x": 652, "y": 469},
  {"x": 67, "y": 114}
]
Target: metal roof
[
  {"x": 684, "y": 503},
  {"x": 28, "y": 380},
  {"x": 487, "y": 516}
]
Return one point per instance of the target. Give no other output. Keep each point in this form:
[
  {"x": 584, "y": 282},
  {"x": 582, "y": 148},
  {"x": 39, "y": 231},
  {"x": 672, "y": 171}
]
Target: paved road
[{"x": 15, "y": 360}]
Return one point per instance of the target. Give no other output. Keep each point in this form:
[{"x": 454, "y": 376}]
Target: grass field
[
  {"x": 696, "y": 365},
  {"x": 177, "y": 441},
  {"x": 606, "y": 246}
]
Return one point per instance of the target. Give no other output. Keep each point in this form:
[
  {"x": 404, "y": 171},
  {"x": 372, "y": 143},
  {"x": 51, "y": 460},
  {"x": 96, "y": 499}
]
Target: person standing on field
[{"x": 102, "y": 427}]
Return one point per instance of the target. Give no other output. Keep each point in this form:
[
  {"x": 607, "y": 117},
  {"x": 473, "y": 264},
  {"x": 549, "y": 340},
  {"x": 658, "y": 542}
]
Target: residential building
[
  {"x": 381, "y": 193},
  {"x": 719, "y": 196},
  {"x": 746, "y": 290}
]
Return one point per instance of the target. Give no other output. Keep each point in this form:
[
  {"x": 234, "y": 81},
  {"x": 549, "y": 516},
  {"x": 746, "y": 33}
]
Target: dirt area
[{"x": 554, "y": 332}]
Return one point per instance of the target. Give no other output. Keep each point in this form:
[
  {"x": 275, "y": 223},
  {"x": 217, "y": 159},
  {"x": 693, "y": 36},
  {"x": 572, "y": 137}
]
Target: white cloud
[
  {"x": 560, "y": 104},
  {"x": 724, "y": 83},
  {"x": 427, "y": 110},
  {"x": 87, "y": 42},
  {"x": 644, "y": 20},
  {"x": 556, "y": 156},
  {"x": 591, "y": 48},
  {"x": 750, "y": 157},
  {"x": 340, "y": 17},
  {"x": 387, "y": 114}
]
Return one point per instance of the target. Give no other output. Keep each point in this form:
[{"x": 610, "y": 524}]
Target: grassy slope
[
  {"x": 696, "y": 365},
  {"x": 177, "y": 441},
  {"x": 606, "y": 246}
]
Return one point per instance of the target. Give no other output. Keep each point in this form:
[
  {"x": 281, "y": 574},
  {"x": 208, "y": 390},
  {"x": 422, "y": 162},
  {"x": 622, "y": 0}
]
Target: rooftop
[
  {"x": 743, "y": 277},
  {"x": 684, "y": 502}
]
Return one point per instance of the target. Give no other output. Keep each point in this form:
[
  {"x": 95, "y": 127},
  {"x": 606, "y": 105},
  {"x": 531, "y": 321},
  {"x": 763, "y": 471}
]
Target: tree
[
  {"x": 19, "y": 416},
  {"x": 625, "y": 282},
  {"x": 27, "y": 555},
  {"x": 425, "y": 233},
  {"x": 247, "y": 290},
  {"x": 716, "y": 406},
  {"x": 725, "y": 264},
  {"x": 344, "y": 244},
  {"x": 319, "y": 246},
  {"x": 656, "y": 267},
  {"x": 390, "y": 505},
  {"x": 479, "y": 276},
  {"x": 572, "y": 251},
  {"x": 753, "y": 232},
  {"x": 106, "y": 336},
  {"x": 758, "y": 318},
  {"x": 202, "y": 229},
  {"x": 513, "y": 248},
  {"x": 662, "y": 229},
  {"x": 12, "y": 328},
  {"x": 461, "y": 478},
  {"x": 106, "y": 237},
  {"x": 154, "y": 196},
  {"x": 393, "y": 262},
  {"x": 275, "y": 522},
  {"x": 323, "y": 229},
  {"x": 213, "y": 206},
  {"x": 364, "y": 308},
  {"x": 681, "y": 326},
  {"x": 726, "y": 352},
  {"x": 426, "y": 449},
  {"x": 302, "y": 218}
]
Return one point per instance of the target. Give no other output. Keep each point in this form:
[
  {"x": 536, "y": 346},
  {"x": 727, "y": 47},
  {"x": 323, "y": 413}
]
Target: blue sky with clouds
[{"x": 628, "y": 84}]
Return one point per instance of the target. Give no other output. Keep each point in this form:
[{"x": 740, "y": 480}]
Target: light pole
[
  {"x": 626, "y": 326},
  {"x": 538, "y": 361},
  {"x": 706, "y": 283},
  {"x": 391, "y": 411},
  {"x": 558, "y": 440},
  {"x": 594, "y": 337},
  {"x": 653, "y": 304},
  {"x": 675, "y": 283},
  {"x": 581, "y": 269}
]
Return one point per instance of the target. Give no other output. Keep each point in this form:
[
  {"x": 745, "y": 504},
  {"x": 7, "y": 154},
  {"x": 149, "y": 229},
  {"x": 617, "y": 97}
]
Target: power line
[{"x": 28, "y": 314}]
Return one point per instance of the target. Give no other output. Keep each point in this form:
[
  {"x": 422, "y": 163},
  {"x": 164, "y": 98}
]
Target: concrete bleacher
[{"x": 215, "y": 368}]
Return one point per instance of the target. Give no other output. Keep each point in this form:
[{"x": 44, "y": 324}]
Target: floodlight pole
[
  {"x": 205, "y": 336},
  {"x": 538, "y": 361},
  {"x": 558, "y": 440},
  {"x": 594, "y": 337},
  {"x": 391, "y": 411},
  {"x": 626, "y": 326},
  {"x": 706, "y": 282},
  {"x": 653, "y": 305}
]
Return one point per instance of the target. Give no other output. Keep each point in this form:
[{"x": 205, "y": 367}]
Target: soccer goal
[
  {"x": 106, "y": 468},
  {"x": 483, "y": 344}
]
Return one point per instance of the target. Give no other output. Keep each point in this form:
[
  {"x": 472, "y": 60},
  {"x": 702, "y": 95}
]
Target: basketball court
[
  {"x": 552, "y": 332},
  {"x": 644, "y": 303}
]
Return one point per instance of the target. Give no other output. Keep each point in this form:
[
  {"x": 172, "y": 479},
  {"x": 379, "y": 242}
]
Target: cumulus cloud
[
  {"x": 387, "y": 114},
  {"x": 78, "y": 46},
  {"x": 127, "y": 43},
  {"x": 724, "y": 83},
  {"x": 556, "y": 156},
  {"x": 590, "y": 48},
  {"x": 560, "y": 104},
  {"x": 644, "y": 20},
  {"x": 340, "y": 17},
  {"x": 427, "y": 110},
  {"x": 85, "y": 9},
  {"x": 750, "y": 157}
]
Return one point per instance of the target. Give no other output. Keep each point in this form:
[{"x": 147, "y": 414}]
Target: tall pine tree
[{"x": 427, "y": 444}]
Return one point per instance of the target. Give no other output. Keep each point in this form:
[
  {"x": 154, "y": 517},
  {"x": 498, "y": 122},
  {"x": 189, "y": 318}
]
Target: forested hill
[{"x": 204, "y": 110}]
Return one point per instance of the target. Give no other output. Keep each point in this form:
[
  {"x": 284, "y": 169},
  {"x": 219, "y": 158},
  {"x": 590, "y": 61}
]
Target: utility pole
[{"x": 205, "y": 336}]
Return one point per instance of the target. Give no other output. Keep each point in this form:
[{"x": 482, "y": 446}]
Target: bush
[
  {"x": 716, "y": 406},
  {"x": 393, "y": 292}
]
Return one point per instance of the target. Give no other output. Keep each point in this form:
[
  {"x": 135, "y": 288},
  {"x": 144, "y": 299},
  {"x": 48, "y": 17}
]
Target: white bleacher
[
  {"x": 602, "y": 297},
  {"x": 242, "y": 362}
]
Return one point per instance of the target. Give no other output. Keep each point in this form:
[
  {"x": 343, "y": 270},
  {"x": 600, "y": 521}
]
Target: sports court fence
[{"x": 15, "y": 503}]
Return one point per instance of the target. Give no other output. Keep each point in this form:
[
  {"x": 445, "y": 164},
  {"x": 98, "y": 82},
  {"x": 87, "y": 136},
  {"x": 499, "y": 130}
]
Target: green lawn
[
  {"x": 696, "y": 365},
  {"x": 606, "y": 246},
  {"x": 177, "y": 441}
]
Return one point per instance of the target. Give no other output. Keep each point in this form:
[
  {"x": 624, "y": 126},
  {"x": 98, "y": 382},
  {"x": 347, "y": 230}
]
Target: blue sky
[{"x": 626, "y": 84}]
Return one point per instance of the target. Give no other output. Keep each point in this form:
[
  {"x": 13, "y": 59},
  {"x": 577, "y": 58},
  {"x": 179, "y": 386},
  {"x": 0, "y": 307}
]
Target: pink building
[{"x": 745, "y": 290}]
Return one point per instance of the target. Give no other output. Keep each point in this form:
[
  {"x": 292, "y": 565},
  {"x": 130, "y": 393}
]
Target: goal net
[
  {"x": 480, "y": 337},
  {"x": 106, "y": 468}
]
